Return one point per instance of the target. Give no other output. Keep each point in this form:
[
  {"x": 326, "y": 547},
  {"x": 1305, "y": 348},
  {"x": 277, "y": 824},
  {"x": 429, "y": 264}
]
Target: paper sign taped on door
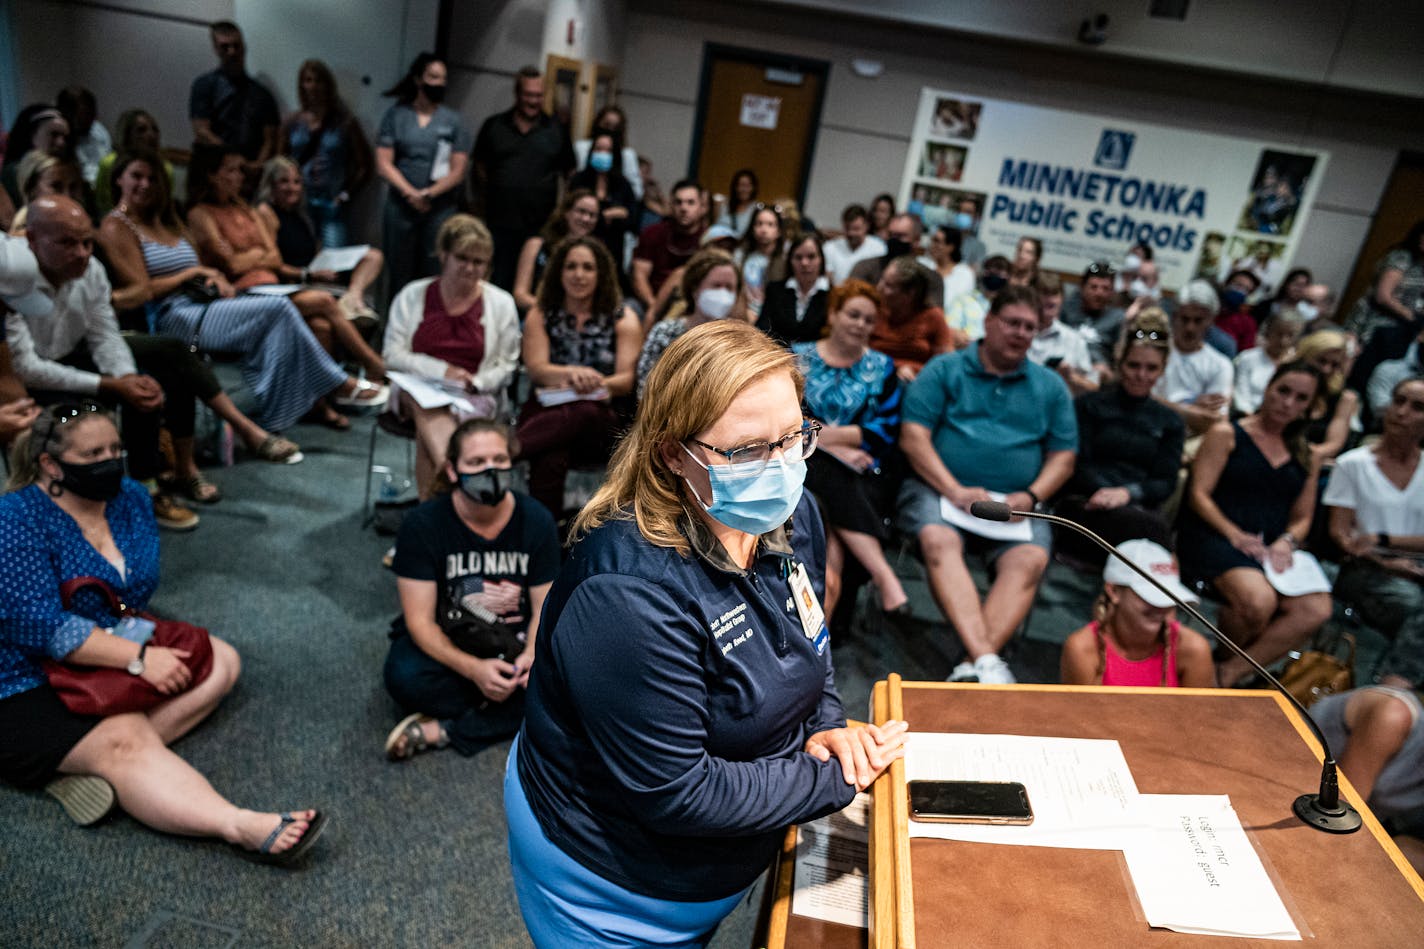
[{"x": 760, "y": 112}]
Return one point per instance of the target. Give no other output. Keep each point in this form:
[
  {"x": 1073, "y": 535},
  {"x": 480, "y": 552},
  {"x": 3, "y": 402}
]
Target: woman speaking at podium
[{"x": 682, "y": 711}]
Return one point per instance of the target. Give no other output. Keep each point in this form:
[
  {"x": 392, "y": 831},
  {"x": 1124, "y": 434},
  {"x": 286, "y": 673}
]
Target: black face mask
[
  {"x": 993, "y": 282},
  {"x": 894, "y": 247},
  {"x": 435, "y": 94},
  {"x": 97, "y": 481},
  {"x": 488, "y": 486}
]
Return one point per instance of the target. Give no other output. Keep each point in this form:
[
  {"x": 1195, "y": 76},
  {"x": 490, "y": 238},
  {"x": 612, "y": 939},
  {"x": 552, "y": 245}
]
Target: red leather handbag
[{"x": 87, "y": 690}]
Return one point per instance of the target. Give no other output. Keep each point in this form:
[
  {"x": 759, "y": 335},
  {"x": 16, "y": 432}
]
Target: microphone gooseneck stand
[{"x": 1325, "y": 810}]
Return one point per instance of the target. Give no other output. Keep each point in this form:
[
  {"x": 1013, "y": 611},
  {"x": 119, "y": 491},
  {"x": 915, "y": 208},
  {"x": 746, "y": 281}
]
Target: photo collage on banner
[{"x": 1089, "y": 186}]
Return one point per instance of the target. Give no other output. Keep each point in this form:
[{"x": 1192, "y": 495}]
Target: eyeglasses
[
  {"x": 1152, "y": 335},
  {"x": 797, "y": 446},
  {"x": 62, "y": 414},
  {"x": 1100, "y": 268},
  {"x": 776, "y": 209}
]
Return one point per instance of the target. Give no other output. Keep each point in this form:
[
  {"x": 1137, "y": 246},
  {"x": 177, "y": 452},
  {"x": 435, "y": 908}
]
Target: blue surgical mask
[
  {"x": 964, "y": 221},
  {"x": 601, "y": 162},
  {"x": 1231, "y": 298},
  {"x": 753, "y": 498}
]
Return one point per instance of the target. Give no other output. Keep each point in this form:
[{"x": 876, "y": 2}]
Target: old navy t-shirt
[{"x": 485, "y": 576}]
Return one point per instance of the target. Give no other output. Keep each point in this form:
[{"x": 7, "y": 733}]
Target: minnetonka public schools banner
[{"x": 1089, "y": 186}]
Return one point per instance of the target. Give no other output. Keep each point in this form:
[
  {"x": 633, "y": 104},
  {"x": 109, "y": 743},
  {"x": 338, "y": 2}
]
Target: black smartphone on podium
[{"x": 970, "y": 802}]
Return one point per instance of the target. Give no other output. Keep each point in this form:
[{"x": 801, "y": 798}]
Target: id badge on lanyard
[{"x": 808, "y": 608}]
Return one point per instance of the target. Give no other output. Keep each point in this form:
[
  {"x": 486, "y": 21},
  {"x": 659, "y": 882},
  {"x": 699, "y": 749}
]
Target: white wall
[{"x": 866, "y": 123}]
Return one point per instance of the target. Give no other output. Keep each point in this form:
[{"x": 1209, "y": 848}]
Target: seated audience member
[
  {"x": 1317, "y": 305},
  {"x": 1135, "y": 639},
  {"x": 1288, "y": 296},
  {"x": 18, "y": 274},
  {"x": 1235, "y": 319},
  {"x": 38, "y": 127},
  {"x": 1129, "y": 451},
  {"x": 909, "y": 330},
  {"x": 855, "y": 245},
  {"x": 1131, "y": 271},
  {"x": 1329, "y": 429},
  {"x": 581, "y": 339},
  {"x": 1023, "y": 269},
  {"x": 138, "y": 132},
  {"x": 1197, "y": 383},
  {"x": 42, "y": 175},
  {"x": 1092, "y": 308},
  {"x": 1390, "y": 372},
  {"x": 666, "y": 246},
  {"x": 882, "y": 212},
  {"x": 153, "y": 260},
  {"x": 795, "y": 309},
  {"x": 576, "y": 216},
  {"x": 282, "y": 208},
  {"x": 761, "y": 255},
  {"x": 232, "y": 238},
  {"x": 1375, "y": 500},
  {"x": 473, "y": 566},
  {"x": 1145, "y": 289},
  {"x": 603, "y": 176},
  {"x": 853, "y": 391},
  {"x": 903, "y": 239},
  {"x": 736, "y": 213},
  {"x": 332, "y": 153},
  {"x": 612, "y": 120},
  {"x": 89, "y": 141},
  {"x": 980, "y": 420},
  {"x": 1254, "y": 367},
  {"x": 1377, "y": 732},
  {"x": 1398, "y": 291},
  {"x": 458, "y": 328},
  {"x": 71, "y": 513},
  {"x": 1250, "y": 501},
  {"x": 946, "y": 250},
  {"x": 966, "y": 312},
  {"x": 712, "y": 287},
  {"x": 1059, "y": 347}
]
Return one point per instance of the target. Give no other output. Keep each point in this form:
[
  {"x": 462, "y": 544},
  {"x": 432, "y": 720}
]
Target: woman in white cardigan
[{"x": 458, "y": 331}]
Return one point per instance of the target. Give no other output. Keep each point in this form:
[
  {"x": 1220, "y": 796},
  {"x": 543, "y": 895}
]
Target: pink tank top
[{"x": 1118, "y": 670}]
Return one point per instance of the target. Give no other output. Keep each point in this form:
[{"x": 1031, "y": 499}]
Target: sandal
[
  {"x": 366, "y": 395},
  {"x": 279, "y": 450},
  {"x": 323, "y": 414},
  {"x": 86, "y": 798},
  {"x": 407, "y": 739},
  {"x": 315, "y": 826},
  {"x": 198, "y": 488}
]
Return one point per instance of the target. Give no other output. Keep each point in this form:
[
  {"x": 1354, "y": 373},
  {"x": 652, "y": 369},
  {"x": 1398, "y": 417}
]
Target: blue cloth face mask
[
  {"x": 601, "y": 162},
  {"x": 964, "y": 221},
  {"x": 750, "y": 497}
]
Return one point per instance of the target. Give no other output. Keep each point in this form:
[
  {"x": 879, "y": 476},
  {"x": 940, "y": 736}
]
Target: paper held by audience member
[
  {"x": 339, "y": 259},
  {"x": 275, "y": 289},
  {"x": 552, "y": 396},
  {"x": 832, "y": 866},
  {"x": 1081, "y": 791},
  {"x": 429, "y": 393},
  {"x": 1301, "y": 577},
  {"x": 994, "y": 530},
  {"x": 1196, "y": 872}
]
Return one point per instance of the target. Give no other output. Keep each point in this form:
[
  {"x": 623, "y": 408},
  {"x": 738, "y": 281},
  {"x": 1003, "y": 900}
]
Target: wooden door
[
  {"x": 1399, "y": 209},
  {"x": 760, "y": 111}
]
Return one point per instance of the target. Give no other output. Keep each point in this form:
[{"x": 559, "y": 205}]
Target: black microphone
[{"x": 1324, "y": 810}]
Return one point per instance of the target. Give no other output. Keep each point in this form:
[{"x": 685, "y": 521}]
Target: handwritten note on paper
[
  {"x": 832, "y": 866},
  {"x": 1081, "y": 791},
  {"x": 1196, "y": 872}
]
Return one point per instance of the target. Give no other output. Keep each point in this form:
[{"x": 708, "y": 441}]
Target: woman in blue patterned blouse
[
  {"x": 72, "y": 513},
  {"x": 853, "y": 392}
]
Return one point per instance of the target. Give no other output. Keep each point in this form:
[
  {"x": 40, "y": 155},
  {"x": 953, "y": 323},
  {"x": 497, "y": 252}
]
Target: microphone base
[{"x": 1343, "y": 820}]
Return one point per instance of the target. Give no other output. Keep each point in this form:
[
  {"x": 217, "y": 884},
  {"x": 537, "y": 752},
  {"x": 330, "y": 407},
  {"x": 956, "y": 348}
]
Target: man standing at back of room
[
  {"x": 229, "y": 107},
  {"x": 520, "y": 161}
]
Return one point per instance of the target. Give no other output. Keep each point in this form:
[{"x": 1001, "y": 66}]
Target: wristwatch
[{"x": 135, "y": 666}]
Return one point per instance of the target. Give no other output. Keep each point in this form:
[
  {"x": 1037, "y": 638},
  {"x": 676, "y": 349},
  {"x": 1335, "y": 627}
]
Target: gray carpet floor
[{"x": 415, "y": 853}]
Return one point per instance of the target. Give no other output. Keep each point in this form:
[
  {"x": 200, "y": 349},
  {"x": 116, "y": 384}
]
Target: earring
[{"x": 55, "y": 489}]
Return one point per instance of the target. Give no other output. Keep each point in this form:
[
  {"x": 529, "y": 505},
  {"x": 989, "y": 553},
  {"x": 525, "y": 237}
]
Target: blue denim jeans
[{"x": 420, "y": 684}]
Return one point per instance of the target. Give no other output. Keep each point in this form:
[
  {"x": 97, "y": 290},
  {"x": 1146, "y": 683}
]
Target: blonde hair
[
  {"x": 463, "y": 234},
  {"x": 1152, "y": 319},
  {"x": 1317, "y": 344},
  {"x": 50, "y": 434},
  {"x": 270, "y": 173},
  {"x": 688, "y": 390}
]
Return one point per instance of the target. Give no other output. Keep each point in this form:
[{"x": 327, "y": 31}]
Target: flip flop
[
  {"x": 412, "y": 729},
  {"x": 279, "y": 450},
  {"x": 199, "y": 489},
  {"x": 87, "y": 798},
  {"x": 314, "y": 828}
]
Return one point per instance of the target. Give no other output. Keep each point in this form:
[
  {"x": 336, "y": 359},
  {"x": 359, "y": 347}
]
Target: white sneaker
[
  {"x": 993, "y": 670},
  {"x": 964, "y": 672}
]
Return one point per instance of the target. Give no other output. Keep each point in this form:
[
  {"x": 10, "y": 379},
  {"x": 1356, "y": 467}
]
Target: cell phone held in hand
[{"x": 970, "y": 802}]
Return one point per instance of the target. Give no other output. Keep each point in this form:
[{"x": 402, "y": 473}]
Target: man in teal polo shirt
[{"x": 986, "y": 419}]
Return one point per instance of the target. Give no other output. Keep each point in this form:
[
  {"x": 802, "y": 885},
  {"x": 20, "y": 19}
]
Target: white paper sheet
[
  {"x": 1303, "y": 576},
  {"x": 1196, "y": 872},
  {"x": 994, "y": 530},
  {"x": 428, "y": 393},
  {"x": 832, "y": 866},
  {"x": 339, "y": 259},
  {"x": 440, "y": 167},
  {"x": 275, "y": 289},
  {"x": 549, "y": 397},
  {"x": 1081, "y": 791}
]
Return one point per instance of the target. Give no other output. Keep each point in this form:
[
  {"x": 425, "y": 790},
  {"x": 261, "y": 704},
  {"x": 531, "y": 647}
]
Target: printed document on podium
[
  {"x": 832, "y": 866},
  {"x": 1196, "y": 872}
]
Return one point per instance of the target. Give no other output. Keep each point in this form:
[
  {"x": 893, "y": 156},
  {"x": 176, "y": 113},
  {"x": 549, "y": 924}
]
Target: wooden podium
[{"x": 1353, "y": 890}]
